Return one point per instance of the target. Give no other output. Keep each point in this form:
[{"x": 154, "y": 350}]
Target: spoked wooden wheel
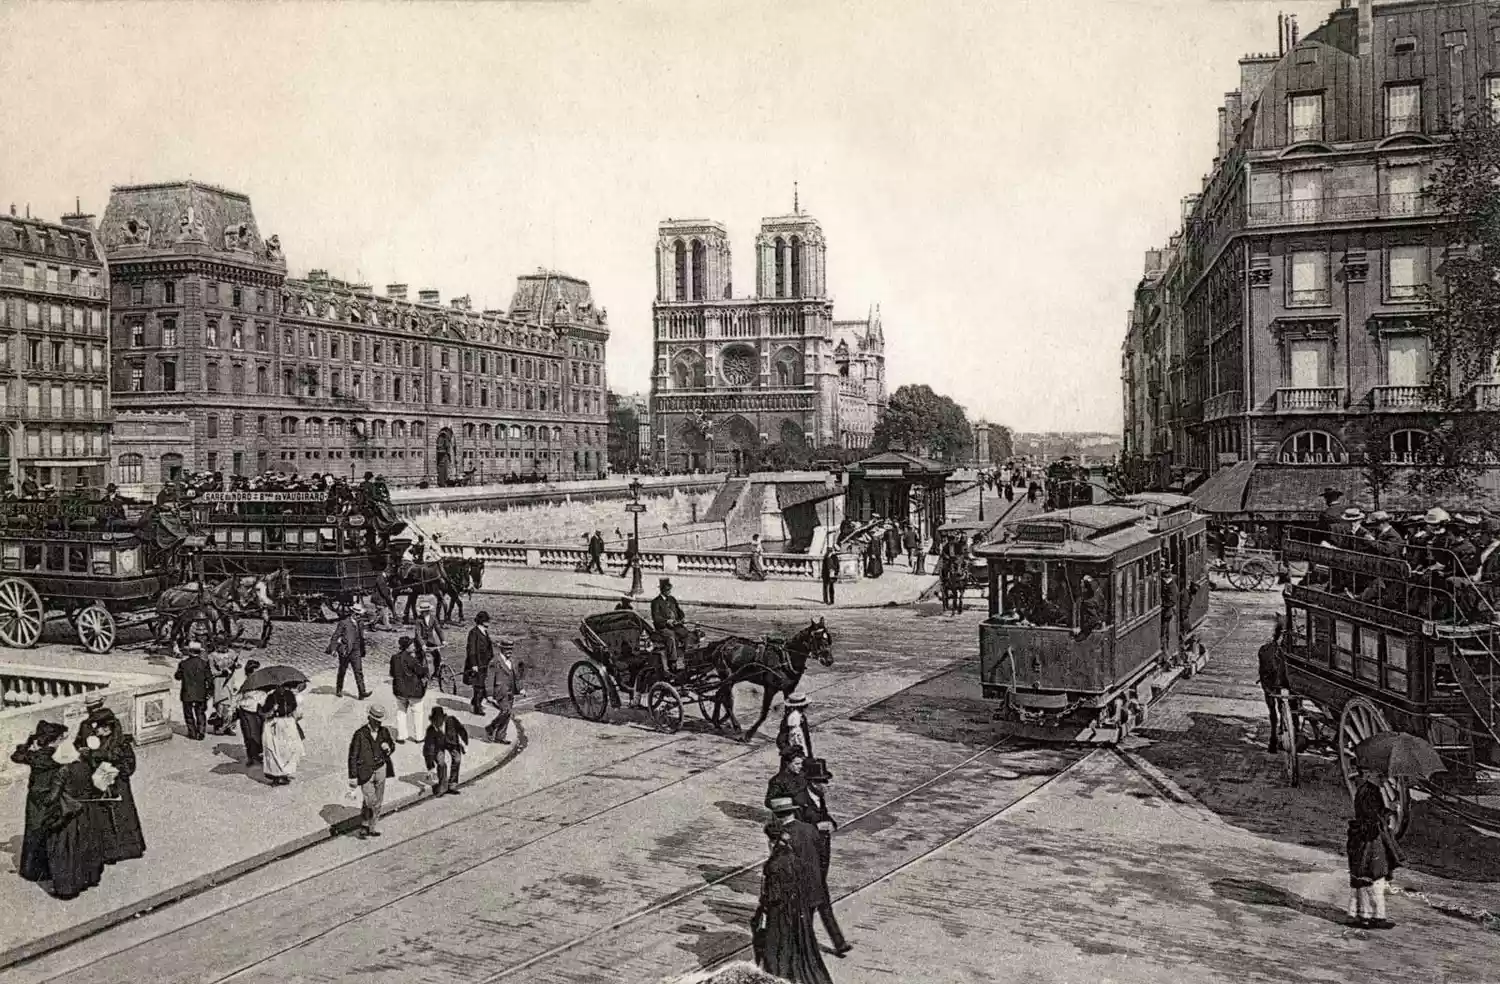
[
  {"x": 96, "y": 629},
  {"x": 21, "y": 614},
  {"x": 1288, "y": 722},
  {"x": 447, "y": 680},
  {"x": 665, "y": 706},
  {"x": 587, "y": 690},
  {"x": 708, "y": 708},
  {"x": 1360, "y": 719}
]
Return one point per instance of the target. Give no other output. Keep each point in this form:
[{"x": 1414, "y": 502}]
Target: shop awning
[{"x": 1224, "y": 492}]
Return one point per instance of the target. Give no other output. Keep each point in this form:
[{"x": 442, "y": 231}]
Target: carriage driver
[{"x": 666, "y": 617}]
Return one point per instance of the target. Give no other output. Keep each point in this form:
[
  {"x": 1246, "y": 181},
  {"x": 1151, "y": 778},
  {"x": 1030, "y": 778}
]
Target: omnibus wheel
[
  {"x": 21, "y": 613},
  {"x": 96, "y": 629},
  {"x": 587, "y": 691},
  {"x": 1289, "y": 741},
  {"x": 1257, "y": 576},
  {"x": 1360, "y": 719}
]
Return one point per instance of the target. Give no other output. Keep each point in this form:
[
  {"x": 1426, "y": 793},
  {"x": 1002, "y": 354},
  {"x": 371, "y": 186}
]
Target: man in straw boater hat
[
  {"x": 370, "y": 752},
  {"x": 503, "y": 685}
]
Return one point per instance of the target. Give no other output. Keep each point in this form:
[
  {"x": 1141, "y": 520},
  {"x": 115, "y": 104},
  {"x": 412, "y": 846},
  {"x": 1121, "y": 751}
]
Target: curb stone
[{"x": 43, "y": 945}]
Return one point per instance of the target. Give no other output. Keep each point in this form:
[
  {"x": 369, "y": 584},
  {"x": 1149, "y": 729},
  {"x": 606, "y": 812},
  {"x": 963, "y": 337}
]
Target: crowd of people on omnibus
[{"x": 1453, "y": 560}]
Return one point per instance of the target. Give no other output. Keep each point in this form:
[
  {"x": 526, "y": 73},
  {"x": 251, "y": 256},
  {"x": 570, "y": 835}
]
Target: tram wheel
[
  {"x": 1360, "y": 719},
  {"x": 587, "y": 691},
  {"x": 21, "y": 613},
  {"x": 665, "y": 706},
  {"x": 96, "y": 629}
]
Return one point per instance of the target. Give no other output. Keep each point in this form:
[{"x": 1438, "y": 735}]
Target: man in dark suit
[
  {"x": 197, "y": 684},
  {"x": 503, "y": 685},
  {"x": 596, "y": 554},
  {"x": 666, "y": 617},
  {"x": 816, "y": 813},
  {"x": 478, "y": 655},
  {"x": 370, "y": 753},
  {"x": 830, "y": 574},
  {"x": 1273, "y": 680},
  {"x": 348, "y": 645}
]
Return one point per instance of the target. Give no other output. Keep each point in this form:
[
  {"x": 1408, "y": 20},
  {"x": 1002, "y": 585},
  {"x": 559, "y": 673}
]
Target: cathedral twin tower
[{"x": 733, "y": 375}]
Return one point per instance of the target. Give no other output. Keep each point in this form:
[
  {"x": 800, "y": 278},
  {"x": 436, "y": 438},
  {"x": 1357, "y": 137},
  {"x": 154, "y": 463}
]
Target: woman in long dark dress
[
  {"x": 78, "y": 838},
  {"x": 785, "y": 944},
  {"x": 103, "y": 739},
  {"x": 41, "y": 798},
  {"x": 1372, "y": 854}
]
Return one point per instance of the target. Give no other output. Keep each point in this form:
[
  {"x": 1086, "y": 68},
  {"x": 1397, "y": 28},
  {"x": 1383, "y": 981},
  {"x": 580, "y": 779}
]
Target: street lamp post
[
  {"x": 981, "y": 498},
  {"x": 635, "y": 509}
]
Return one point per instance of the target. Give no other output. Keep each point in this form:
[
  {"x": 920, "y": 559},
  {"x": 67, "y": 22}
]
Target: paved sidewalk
[{"x": 208, "y": 818}]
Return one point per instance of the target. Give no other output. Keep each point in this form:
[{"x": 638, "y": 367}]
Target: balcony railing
[
  {"x": 61, "y": 413},
  {"x": 1486, "y": 396},
  {"x": 1225, "y": 404},
  {"x": 94, "y": 291},
  {"x": 1309, "y": 399},
  {"x": 1312, "y": 297},
  {"x": 1340, "y": 208},
  {"x": 1311, "y": 131},
  {"x": 1400, "y": 398}
]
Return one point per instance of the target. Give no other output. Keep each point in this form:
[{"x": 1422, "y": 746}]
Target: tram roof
[{"x": 1080, "y": 533}]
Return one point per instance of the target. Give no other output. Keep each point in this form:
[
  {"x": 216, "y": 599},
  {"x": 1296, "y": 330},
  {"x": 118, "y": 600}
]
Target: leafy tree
[
  {"x": 1464, "y": 332},
  {"x": 919, "y": 421},
  {"x": 1377, "y": 465},
  {"x": 1002, "y": 444}
]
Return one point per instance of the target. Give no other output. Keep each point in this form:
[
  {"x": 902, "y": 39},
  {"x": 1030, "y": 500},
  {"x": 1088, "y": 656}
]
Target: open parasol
[
  {"x": 1399, "y": 756},
  {"x": 271, "y": 677}
]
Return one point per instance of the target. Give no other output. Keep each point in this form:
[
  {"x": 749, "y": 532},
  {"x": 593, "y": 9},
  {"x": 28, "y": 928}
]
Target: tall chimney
[
  {"x": 396, "y": 292},
  {"x": 460, "y": 303},
  {"x": 429, "y": 297},
  {"x": 1281, "y": 34},
  {"x": 1366, "y": 28}
]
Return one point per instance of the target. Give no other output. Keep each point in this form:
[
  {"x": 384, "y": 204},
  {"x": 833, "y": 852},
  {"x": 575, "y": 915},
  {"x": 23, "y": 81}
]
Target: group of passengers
[{"x": 1453, "y": 560}]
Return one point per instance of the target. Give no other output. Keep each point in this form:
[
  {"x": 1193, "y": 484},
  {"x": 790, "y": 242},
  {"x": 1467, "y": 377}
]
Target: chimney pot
[
  {"x": 429, "y": 296},
  {"x": 396, "y": 291}
]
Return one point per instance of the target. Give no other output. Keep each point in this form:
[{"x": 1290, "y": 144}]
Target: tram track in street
[{"x": 497, "y": 810}]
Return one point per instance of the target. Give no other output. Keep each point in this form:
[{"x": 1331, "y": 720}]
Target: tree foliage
[
  {"x": 919, "y": 421},
  {"x": 1002, "y": 444}
]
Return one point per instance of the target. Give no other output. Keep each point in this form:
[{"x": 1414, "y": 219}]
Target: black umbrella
[{"x": 271, "y": 677}]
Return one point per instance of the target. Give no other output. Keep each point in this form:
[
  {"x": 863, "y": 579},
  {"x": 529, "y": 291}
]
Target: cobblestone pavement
[{"x": 608, "y": 853}]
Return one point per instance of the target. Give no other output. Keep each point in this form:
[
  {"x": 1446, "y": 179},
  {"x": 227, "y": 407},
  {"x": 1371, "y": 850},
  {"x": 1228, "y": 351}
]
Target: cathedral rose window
[{"x": 738, "y": 366}]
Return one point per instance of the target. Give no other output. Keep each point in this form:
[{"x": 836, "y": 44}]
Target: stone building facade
[
  {"x": 733, "y": 375},
  {"x": 1287, "y": 321},
  {"x": 54, "y": 353},
  {"x": 321, "y": 375},
  {"x": 151, "y": 448}
]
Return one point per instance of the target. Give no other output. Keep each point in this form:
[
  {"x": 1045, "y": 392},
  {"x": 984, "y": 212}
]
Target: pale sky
[{"x": 989, "y": 172}]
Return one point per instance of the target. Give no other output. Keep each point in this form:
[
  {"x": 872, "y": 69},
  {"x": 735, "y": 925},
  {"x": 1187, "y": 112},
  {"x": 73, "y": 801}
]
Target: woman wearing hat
[
  {"x": 794, "y": 732},
  {"x": 41, "y": 798},
  {"x": 782, "y": 929},
  {"x": 105, "y": 742}
]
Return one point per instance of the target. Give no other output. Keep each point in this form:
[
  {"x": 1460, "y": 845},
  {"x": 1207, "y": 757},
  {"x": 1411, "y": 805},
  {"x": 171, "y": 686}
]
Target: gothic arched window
[
  {"x": 795, "y": 287},
  {"x": 679, "y": 252},
  {"x": 700, "y": 269},
  {"x": 780, "y": 247}
]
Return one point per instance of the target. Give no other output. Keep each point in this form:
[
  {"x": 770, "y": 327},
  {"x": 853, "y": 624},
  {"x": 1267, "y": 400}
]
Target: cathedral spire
[{"x": 796, "y": 205}]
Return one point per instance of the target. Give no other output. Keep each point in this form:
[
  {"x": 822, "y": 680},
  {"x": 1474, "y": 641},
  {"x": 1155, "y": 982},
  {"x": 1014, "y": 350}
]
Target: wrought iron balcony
[
  {"x": 1309, "y": 399},
  {"x": 1225, "y": 404},
  {"x": 1400, "y": 398},
  {"x": 1339, "y": 208},
  {"x": 58, "y": 414},
  {"x": 93, "y": 291}
]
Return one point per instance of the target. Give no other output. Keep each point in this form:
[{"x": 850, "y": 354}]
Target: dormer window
[{"x": 1403, "y": 45}]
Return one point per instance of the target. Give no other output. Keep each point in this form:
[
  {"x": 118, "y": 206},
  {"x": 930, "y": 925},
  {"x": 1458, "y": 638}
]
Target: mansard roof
[{"x": 171, "y": 217}]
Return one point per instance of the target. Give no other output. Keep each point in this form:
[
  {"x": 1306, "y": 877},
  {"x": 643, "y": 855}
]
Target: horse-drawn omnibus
[
  {"x": 1086, "y": 630},
  {"x": 1375, "y": 644},
  {"x": 330, "y": 556},
  {"x": 100, "y": 564}
]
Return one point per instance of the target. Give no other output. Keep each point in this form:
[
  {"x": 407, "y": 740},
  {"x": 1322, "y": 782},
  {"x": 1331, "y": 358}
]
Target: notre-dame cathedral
[{"x": 735, "y": 374}]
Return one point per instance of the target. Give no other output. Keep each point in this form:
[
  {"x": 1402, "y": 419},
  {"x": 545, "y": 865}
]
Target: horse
[
  {"x": 261, "y": 595},
  {"x": 180, "y": 608},
  {"x": 415, "y": 580},
  {"x": 774, "y": 667},
  {"x": 953, "y": 577}
]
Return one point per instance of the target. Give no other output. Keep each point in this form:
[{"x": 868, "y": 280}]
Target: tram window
[
  {"x": 236, "y": 537},
  {"x": 1396, "y": 667},
  {"x": 1297, "y": 628},
  {"x": 11, "y": 559},
  {"x": 328, "y": 539},
  {"x": 1367, "y": 659},
  {"x": 103, "y": 560},
  {"x": 254, "y": 538},
  {"x": 1320, "y": 637},
  {"x": 31, "y": 557},
  {"x": 128, "y": 562},
  {"x": 310, "y": 539},
  {"x": 78, "y": 558},
  {"x": 275, "y": 538},
  {"x": 55, "y": 559},
  {"x": 1343, "y": 646}
]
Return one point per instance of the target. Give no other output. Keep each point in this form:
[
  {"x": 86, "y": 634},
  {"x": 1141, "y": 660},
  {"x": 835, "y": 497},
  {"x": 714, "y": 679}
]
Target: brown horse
[
  {"x": 775, "y": 667},
  {"x": 415, "y": 580}
]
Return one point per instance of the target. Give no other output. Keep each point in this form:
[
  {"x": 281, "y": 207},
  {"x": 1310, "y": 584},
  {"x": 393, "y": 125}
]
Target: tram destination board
[{"x": 263, "y": 497}]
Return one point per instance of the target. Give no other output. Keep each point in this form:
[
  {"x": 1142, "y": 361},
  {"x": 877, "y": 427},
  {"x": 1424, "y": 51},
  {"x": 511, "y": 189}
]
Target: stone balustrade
[
  {"x": 31, "y": 694},
  {"x": 779, "y": 566}
]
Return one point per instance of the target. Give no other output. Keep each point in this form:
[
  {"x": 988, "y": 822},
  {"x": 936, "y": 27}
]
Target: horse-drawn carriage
[
  {"x": 103, "y": 565},
  {"x": 624, "y": 654},
  {"x": 1374, "y": 645}
]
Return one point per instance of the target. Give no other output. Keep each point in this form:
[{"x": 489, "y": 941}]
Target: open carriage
[
  {"x": 98, "y": 564},
  {"x": 1373, "y": 645},
  {"x": 623, "y": 654}
]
